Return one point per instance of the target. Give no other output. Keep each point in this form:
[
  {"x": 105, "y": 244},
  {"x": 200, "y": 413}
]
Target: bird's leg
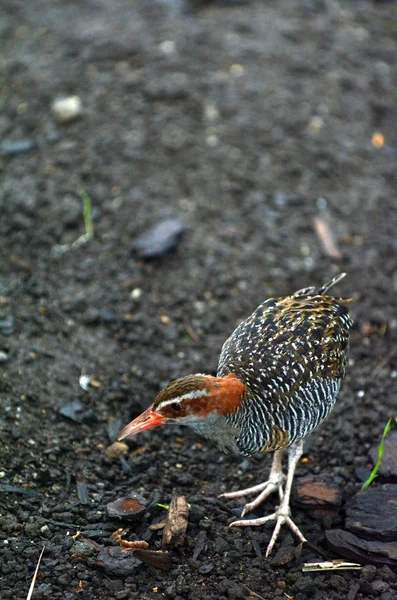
[
  {"x": 282, "y": 514},
  {"x": 273, "y": 484}
]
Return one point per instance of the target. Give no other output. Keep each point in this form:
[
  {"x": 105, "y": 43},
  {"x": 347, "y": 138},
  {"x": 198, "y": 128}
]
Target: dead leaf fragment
[{"x": 176, "y": 523}]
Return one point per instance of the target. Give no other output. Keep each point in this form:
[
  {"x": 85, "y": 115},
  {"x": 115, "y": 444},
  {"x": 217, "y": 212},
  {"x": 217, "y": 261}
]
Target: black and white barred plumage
[{"x": 291, "y": 354}]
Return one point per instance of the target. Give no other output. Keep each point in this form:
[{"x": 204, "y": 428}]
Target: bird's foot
[
  {"x": 281, "y": 516},
  {"x": 273, "y": 484}
]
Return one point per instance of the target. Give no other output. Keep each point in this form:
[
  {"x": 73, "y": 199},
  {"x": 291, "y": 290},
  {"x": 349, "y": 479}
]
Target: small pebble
[
  {"x": 73, "y": 410},
  {"x": 159, "y": 239},
  {"x": 205, "y": 569},
  {"x": 115, "y": 450},
  {"x": 14, "y": 147},
  {"x": 3, "y": 356},
  {"x": 67, "y": 109}
]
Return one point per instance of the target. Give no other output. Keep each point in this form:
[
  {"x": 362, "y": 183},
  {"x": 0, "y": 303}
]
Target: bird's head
[{"x": 194, "y": 400}]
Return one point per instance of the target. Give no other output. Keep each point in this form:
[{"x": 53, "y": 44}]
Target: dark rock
[
  {"x": 234, "y": 590},
  {"x": 284, "y": 556},
  {"x": 129, "y": 507},
  {"x": 388, "y": 465},
  {"x": 82, "y": 549},
  {"x": 305, "y": 585},
  {"x": 386, "y": 574},
  {"x": 220, "y": 546},
  {"x": 353, "y": 590},
  {"x": 14, "y": 147},
  {"x": 316, "y": 491},
  {"x": 372, "y": 513},
  {"x": 73, "y": 410},
  {"x": 159, "y": 240},
  {"x": 379, "y": 586},
  {"x": 349, "y": 545},
  {"x": 388, "y": 596},
  {"x": 338, "y": 582},
  {"x": 115, "y": 585},
  {"x": 205, "y": 569},
  {"x": 368, "y": 573},
  {"x": 117, "y": 561},
  {"x": 43, "y": 590},
  {"x": 82, "y": 490},
  {"x": 64, "y": 579}
]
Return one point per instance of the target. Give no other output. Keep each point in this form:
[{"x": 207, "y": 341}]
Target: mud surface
[{"x": 245, "y": 122}]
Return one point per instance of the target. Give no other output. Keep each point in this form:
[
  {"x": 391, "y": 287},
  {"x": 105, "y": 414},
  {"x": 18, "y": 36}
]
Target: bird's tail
[{"x": 313, "y": 291}]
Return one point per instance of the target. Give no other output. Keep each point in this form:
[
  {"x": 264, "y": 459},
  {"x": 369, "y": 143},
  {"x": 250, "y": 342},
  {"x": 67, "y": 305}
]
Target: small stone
[
  {"x": 159, "y": 239},
  {"x": 372, "y": 513},
  {"x": 284, "y": 556},
  {"x": 67, "y": 109},
  {"x": 3, "y": 356},
  {"x": 304, "y": 585},
  {"x": 81, "y": 549},
  {"x": 205, "y": 569},
  {"x": 379, "y": 586},
  {"x": 115, "y": 585},
  {"x": 14, "y": 147},
  {"x": 359, "y": 550},
  {"x": 388, "y": 596},
  {"x": 136, "y": 294},
  {"x": 64, "y": 580},
  {"x": 44, "y": 589},
  {"x": 386, "y": 574},
  {"x": 117, "y": 561},
  {"x": 73, "y": 411},
  {"x": 116, "y": 450}
]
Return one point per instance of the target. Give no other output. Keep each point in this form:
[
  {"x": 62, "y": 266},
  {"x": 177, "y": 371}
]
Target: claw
[
  {"x": 280, "y": 518},
  {"x": 282, "y": 514}
]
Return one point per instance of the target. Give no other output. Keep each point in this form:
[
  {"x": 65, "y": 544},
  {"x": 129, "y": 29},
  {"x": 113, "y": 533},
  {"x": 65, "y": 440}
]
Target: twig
[
  {"x": 190, "y": 331},
  {"x": 28, "y": 597},
  {"x": 252, "y": 593}
]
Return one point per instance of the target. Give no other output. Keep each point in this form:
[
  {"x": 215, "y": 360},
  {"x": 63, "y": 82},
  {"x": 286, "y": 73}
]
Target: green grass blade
[
  {"x": 380, "y": 455},
  {"x": 87, "y": 212}
]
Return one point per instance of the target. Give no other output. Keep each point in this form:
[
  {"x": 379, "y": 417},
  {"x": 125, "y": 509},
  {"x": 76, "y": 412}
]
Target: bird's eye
[{"x": 176, "y": 406}]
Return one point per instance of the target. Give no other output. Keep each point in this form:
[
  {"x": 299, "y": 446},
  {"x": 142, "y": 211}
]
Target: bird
[{"x": 278, "y": 378}]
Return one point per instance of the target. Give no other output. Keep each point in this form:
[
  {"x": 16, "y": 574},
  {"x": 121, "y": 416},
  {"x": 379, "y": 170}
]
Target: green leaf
[
  {"x": 87, "y": 212},
  {"x": 380, "y": 455}
]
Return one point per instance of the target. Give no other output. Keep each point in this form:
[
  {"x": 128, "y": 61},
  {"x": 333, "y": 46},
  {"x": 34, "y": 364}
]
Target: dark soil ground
[{"x": 246, "y": 122}]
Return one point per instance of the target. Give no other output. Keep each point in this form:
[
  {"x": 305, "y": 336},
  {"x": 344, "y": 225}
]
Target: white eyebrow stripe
[{"x": 188, "y": 396}]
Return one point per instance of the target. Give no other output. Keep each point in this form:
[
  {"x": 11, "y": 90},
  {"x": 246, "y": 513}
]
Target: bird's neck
[{"x": 227, "y": 394}]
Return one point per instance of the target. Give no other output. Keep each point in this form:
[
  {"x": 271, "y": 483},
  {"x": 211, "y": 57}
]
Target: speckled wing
[{"x": 291, "y": 354}]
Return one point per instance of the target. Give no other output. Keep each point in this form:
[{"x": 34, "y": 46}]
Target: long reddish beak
[{"x": 146, "y": 420}]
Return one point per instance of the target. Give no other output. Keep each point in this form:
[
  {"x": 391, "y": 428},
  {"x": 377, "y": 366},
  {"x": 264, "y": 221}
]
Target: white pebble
[
  {"x": 66, "y": 109},
  {"x": 136, "y": 294},
  {"x": 167, "y": 47}
]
